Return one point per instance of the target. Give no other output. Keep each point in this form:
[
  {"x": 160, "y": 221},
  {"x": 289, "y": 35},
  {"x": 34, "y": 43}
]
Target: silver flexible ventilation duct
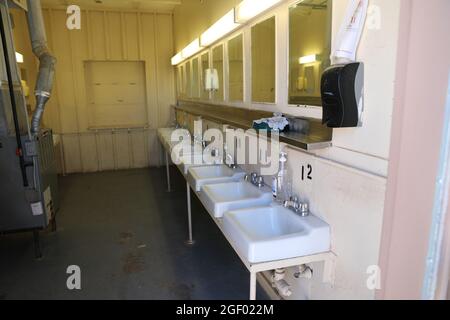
[{"x": 47, "y": 61}]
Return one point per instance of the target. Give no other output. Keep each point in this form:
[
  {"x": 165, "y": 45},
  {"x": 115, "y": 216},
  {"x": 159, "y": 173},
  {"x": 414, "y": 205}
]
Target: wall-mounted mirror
[
  {"x": 204, "y": 66},
  {"x": 182, "y": 92},
  {"x": 236, "y": 68},
  {"x": 218, "y": 65},
  {"x": 309, "y": 49},
  {"x": 179, "y": 77},
  {"x": 263, "y": 61},
  {"x": 195, "y": 79},
  {"x": 188, "y": 91}
]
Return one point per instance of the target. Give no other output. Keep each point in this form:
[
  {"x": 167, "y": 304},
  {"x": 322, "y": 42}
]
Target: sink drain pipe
[
  {"x": 282, "y": 286},
  {"x": 278, "y": 282},
  {"x": 304, "y": 271}
]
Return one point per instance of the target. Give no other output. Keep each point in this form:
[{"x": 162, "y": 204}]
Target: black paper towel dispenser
[{"x": 342, "y": 89}]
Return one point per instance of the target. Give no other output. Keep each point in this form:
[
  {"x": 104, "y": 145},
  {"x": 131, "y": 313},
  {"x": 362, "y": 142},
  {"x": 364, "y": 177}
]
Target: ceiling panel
[{"x": 145, "y": 5}]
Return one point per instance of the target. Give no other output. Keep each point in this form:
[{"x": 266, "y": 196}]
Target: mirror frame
[
  {"x": 276, "y": 52},
  {"x": 221, "y": 79},
  {"x": 300, "y": 101},
  {"x": 196, "y": 94},
  {"x": 202, "y": 74},
  {"x": 228, "y": 40}
]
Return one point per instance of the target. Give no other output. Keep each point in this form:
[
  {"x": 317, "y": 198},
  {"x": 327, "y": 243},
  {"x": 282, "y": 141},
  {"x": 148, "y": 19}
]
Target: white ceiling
[{"x": 163, "y": 5}]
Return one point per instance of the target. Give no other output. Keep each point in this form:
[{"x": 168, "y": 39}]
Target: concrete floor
[{"x": 127, "y": 234}]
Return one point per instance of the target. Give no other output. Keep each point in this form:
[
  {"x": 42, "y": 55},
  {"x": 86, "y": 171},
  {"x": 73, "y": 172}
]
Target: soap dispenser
[{"x": 282, "y": 183}]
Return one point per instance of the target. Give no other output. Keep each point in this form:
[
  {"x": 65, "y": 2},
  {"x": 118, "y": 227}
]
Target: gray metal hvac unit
[{"x": 28, "y": 178}]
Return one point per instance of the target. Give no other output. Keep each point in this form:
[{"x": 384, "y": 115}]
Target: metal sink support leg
[
  {"x": 190, "y": 241},
  {"x": 168, "y": 173},
  {"x": 253, "y": 286}
]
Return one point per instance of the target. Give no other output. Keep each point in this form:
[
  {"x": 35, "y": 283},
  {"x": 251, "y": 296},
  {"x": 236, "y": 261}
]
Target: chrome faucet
[
  {"x": 255, "y": 179},
  {"x": 215, "y": 152},
  {"x": 229, "y": 159},
  {"x": 198, "y": 139},
  {"x": 298, "y": 207}
]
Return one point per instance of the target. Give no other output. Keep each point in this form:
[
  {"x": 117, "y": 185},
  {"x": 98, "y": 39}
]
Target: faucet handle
[
  {"x": 260, "y": 181},
  {"x": 215, "y": 152},
  {"x": 304, "y": 209}
]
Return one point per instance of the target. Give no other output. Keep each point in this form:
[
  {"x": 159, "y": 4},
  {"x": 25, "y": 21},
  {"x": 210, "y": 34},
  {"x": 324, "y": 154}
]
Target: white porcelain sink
[
  {"x": 190, "y": 155},
  {"x": 189, "y": 160},
  {"x": 165, "y": 136},
  {"x": 214, "y": 174},
  {"x": 185, "y": 167},
  {"x": 275, "y": 233},
  {"x": 223, "y": 197}
]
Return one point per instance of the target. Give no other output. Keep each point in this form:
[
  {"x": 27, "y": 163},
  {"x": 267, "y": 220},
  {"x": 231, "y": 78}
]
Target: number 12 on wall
[{"x": 307, "y": 172}]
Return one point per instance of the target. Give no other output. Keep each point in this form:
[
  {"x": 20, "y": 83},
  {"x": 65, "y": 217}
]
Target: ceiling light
[
  {"x": 177, "y": 59},
  {"x": 191, "y": 49},
  {"x": 221, "y": 28},
  {"x": 249, "y": 9},
  {"x": 308, "y": 59}
]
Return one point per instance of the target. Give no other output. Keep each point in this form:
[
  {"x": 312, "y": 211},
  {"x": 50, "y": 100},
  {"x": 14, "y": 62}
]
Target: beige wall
[
  {"x": 109, "y": 36},
  {"x": 193, "y": 17}
]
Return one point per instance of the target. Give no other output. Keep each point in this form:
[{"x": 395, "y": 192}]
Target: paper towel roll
[
  {"x": 212, "y": 79},
  {"x": 349, "y": 36}
]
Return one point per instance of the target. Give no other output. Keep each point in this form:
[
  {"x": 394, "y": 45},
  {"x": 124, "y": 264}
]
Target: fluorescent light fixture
[
  {"x": 191, "y": 49},
  {"x": 248, "y": 9},
  {"x": 19, "y": 57},
  {"x": 221, "y": 28},
  {"x": 308, "y": 59},
  {"x": 176, "y": 59}
]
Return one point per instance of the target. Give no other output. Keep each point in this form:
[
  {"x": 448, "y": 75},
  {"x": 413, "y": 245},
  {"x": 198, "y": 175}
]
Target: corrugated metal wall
[{"x": 109, "y": 36}]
